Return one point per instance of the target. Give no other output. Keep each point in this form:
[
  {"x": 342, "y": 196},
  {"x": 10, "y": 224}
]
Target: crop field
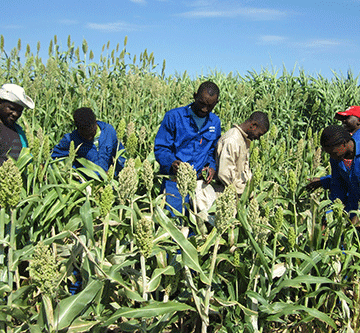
[{"x": 287, "y": 262}]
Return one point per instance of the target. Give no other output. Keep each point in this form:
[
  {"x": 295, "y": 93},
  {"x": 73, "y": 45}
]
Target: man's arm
[
  {"x": 62, "y": 148},
  {"x": 164, "y": 145},
  {"x": 211, "y": 160},
  {"x": 338, "y": 187},
  {"x": 315, "y": 183},
  {"x": 227, "y": 166}
]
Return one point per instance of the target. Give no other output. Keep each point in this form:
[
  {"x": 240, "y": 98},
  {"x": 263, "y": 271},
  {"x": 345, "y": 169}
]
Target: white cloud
[
  {"x": 13, "y": 26},
  {"x": 203, "y": 3},
  {"x": 271, "y": 39},
  {"x": 139, "y": 1},
  {"x": 259, "y": 14},
  {"x": 319, "y": 43},
  {"x": 113, "y": 27},
  {"x": 68, "y": 22}
]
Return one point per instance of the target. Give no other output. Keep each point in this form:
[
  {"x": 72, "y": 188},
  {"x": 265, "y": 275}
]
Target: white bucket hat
[{"x": 16, "y": 94}]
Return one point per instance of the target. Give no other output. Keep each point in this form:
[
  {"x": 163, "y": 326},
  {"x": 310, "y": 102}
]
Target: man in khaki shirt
[{"x": 232, "y": 151}]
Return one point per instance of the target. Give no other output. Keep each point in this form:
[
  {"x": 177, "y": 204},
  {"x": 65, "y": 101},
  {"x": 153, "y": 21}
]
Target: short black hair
[
  {"x": 260, "y": 118},
  {"x": 210, "y": 87},
  {"x": 334, "y": 135},
  {"x": 84, "y": 118}
]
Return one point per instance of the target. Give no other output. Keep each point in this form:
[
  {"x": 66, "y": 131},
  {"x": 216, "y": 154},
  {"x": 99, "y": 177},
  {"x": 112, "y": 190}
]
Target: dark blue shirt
[
  {"x": 179, "y": 138},
  {"x": 102, "y": 155},
  {"x": 326, "y": 180},
  {"x": 345, "y": 183}
]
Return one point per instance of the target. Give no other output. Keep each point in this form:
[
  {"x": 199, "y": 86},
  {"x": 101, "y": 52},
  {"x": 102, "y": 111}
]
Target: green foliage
[{"x": 281, "y": 263}]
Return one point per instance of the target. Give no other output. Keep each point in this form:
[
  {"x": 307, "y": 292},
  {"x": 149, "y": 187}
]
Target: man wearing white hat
[{"x": 13, "y": 100}]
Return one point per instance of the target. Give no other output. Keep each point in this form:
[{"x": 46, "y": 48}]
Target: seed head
[
  {"x": 43, "y": 269},
  {"x": 225, "y": 209},
  {"x": 309, "y": 133},
  {"x": 46, "y": 151},
  {"x": 278, "y": 219},
  {"x": 72, "y": 153},
  {"x": 267, "y": 212},
  {"x": 68, "y": 41},
  {"x": 106, "y": 200},
  {"x": 273, "y": 132},
  {"x": 275, "y": 190},
  {"x": 236, "y": 259},
  {"x": 317, "y": 158},
  {"x": 111, "y": 172},
  {"x": 257, "y": 176},
  {"x": 132, "y": 144},
  {"x": 186, "y": 179},
  {"x": 142, "y": 135},
  {"x": 10, "y": 184},
  {"x": 35, "y": 149},
  {"x": 283, "y": 147},
  {"x": 84, "y": 46},
  {"x": 253, "y": 214},
  {"x": 291, "y": 237},
  {"x": 144, "y": 236},
  {"x": 254, "y": 157},
  {"x": 2, "y": 43},
  {"x": 300, "y": 150},
  {"x": 130, "y": 128},
  {"x": 148, "y": 175},
  {"x": 264, "y": 143},
  {"x": 128, "y": 181},
  {"x": 292, "y": 181}
]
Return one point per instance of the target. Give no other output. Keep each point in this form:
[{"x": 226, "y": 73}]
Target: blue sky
[{"x": 199, "y": 36}]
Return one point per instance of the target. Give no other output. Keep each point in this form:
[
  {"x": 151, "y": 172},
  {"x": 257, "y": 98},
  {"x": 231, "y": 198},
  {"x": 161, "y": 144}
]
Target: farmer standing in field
[
  {"x": 95, "y": 140},
  {"x": 350, "y": 119},
  {"x": 344, "y": 154},
  {"x": 13, "y": 100},
  {"x": 189, "y": 134},
  {"x": 232, "y": 151}
]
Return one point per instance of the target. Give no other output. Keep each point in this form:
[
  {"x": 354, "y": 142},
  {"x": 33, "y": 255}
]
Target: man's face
[
  {"x": 204, "y": 104},
  {"x": 88, "y": 133},
  {"x": 10, "y": 112},
  {"x": 337, "y": 153},
  {"x": 351, "y": 123},
  {"x": 255, "y": 131}
]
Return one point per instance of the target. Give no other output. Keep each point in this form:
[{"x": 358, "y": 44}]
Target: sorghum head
[
  {"x": 10, "y": 184},
  {"x": 225, "y": 209},
  {"x": 144, "y": 236}
]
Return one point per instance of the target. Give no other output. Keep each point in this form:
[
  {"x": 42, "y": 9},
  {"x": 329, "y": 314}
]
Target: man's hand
[
  {"x": 210, "y": 173},
  {"x": 314, "y": 184},
  {"x": 175, "y": 166},
  {"x": 355, "y": 221}
]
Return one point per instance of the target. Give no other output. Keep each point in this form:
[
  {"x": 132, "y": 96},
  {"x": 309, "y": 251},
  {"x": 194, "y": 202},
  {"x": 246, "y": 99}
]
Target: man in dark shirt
[
  {"x": 95, "y": 140},
  {"x": 13, "y": 100}
]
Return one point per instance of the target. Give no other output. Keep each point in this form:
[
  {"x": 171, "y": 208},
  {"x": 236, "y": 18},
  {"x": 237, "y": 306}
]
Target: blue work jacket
[
  {"x": 179, "y": 138},
  {"x": 344, "y": 183},
  {"x": 102, "y": 155}
]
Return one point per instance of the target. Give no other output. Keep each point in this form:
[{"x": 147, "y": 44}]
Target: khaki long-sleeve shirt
[{"x": 232, "y": 158}]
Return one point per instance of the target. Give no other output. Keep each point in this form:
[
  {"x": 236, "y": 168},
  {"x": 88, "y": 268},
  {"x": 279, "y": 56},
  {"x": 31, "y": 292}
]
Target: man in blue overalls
[{"x": 189, "y": 134}]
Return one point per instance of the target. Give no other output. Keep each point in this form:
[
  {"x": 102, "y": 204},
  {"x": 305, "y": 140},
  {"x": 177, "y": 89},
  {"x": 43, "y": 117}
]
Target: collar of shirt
[
  {"x": 97, "y": 136},
  {"x": 198, "y": 120},
  {"x": 243, "y": 133}
]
